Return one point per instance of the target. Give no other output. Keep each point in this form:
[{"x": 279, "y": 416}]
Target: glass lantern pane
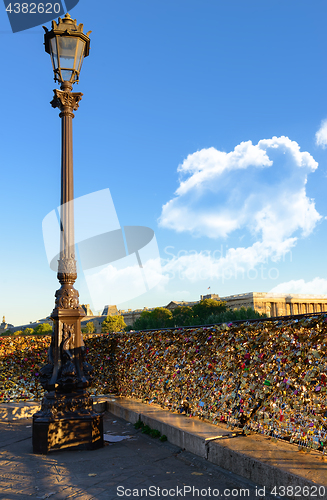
[
  {"x": 54, "y": 53},
  {"x": 80, "y": 54},
  {"x": 66, "y": 75},
  {"x": 67, "y": 51}
]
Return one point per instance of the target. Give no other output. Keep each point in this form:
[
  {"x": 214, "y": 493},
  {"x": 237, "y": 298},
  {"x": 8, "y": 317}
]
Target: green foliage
[
  {"x": 155, "y": 434},
  {"x": 29, "y": 331},
  {"x": 143, "y": 322},
  {"x": 206, "y": 312},
  {"x": 160, "y": 317},
  {"x": 7, "y": 333},
  {"x": 139, "y": 424},
  {"x": 163, "y": 438},
  {"x": 113, "y": 324},
  {"x": 234, "y": 315},
  {"x": 183, "y": 316},
  {"x": 90, "y": 327},
  {"x": 43, "y": 329},
  {"x": 206, "y": 308},
  {"x": 146, "y": 429},
  {"x": 129, "y": 328}
]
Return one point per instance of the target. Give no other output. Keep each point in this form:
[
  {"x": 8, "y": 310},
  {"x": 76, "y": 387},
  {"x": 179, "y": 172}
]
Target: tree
[
  {"x": 7, "y": 332},
  {"x": 161, "y": 317},
  {"x": 90, "y": 327},
  {"x": 183, "y": 315},
  {"x": 28, "y": 331},
  {"x": 234, "y": 315},
  {"x": 43, "y": 329},
  {"x": 208, "y": 307},
  {"x": 113, "y": 324},
  {"x": 143, "y": 322}
]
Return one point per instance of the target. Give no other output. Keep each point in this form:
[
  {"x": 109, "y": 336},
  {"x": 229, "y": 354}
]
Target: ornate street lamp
[
  {"x": 66, "y": 418},
  {"x": 67, "y": 45}
]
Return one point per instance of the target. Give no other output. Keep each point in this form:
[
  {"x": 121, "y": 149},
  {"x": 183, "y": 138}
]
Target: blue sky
[{"x": 204, "y": 118}]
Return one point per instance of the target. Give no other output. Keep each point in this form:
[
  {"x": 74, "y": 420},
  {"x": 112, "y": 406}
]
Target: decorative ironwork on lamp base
[{"x": 67, "y": 418}]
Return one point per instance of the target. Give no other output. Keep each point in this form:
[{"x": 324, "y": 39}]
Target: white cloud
[
  {"x": 238, "y": 263},
  {"x": 123, "y": 280},
  {"x": 259, "y": 188},
  {"x": 318, "y": 286},
  {"x": 321, "y": 135},
  {"x": 220, "y": 192}
]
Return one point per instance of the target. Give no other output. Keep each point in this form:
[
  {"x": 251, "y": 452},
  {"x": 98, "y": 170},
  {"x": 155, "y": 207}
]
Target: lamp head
[{"x": 67, "y": 45}]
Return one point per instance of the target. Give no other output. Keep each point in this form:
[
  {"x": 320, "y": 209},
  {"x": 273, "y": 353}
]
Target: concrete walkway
[{"x": 273, "y": 465}]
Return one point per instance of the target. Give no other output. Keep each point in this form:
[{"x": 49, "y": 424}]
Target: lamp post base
[{"x": 67, "y": 421}]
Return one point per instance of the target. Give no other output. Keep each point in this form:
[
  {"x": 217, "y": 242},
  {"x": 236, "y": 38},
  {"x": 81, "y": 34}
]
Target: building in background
[
  {"x": 86, "y": 308},
  {"x": 177, "y": 303},
  {"x": 98, "y": 320},
  {"x": 5, "y": 326},
  {"x": 271, "y": 304}
]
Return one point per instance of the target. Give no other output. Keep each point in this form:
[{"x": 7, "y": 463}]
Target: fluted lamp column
[{"x": 66, "y": 419}]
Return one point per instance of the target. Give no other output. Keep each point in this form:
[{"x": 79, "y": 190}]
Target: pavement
[{"x": 199, "y": 459}]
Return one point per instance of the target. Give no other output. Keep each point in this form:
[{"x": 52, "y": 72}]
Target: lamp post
[{"x": 66, "y": 418}]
